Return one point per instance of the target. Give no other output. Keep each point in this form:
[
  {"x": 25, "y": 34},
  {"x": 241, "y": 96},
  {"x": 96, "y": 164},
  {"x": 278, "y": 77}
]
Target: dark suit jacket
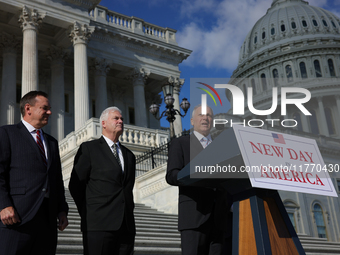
[
  {"x": 103, "y": 194},
  {"x": 195, "y": 204},
  {"x": 23, "y": 175}
]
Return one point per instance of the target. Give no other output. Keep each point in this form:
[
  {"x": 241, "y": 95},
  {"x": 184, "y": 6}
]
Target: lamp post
[{"x": 170, "y": 112}]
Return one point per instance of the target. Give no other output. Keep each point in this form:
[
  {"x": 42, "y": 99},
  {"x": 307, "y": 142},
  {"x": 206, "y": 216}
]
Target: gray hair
[
  {"x": 105, "y": 113},
  {"x": 197, "y": 106}
]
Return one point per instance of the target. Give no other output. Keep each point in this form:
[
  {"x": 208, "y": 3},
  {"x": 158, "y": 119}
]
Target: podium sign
[
  {"x": 283, "y": 162},
  {"x": 261, "y": 224}
]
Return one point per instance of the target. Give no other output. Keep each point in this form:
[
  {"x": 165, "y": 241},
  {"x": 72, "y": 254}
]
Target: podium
[{"x": 261, "y": 225}]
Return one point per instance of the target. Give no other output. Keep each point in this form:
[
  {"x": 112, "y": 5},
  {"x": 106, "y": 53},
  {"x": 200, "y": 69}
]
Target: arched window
[
  {"x": 263, "y": 82},
  {"x": 329, "y": 120},
  {"x": 263, "y": 35},
  {"x": 292, "y": 210},
  {"x": 297, "y": 117},
  {"x": 292, "y": 219},
  {"x": 333, "y": 23},
  {"x": 317, "y": 68},
  {"x": 304, "y": 23},
  {"x": 289, "y": 73},
  {"x": 293, "y": 25},
  {"x": 272, "y": 31},
  {"x": 283, "y": 27},
  {"x": 331, "y": 68},
  {"x": 313, "y": 122},
  {"x": 255, "y": 39},
  {"x": 324, "y": 23},
  {"x": 315, "y": 23},
  {"x": 319, "y": 221},
  {"x": 276, "y": 77},
  {"x": 303, "y": 70},
  {"x": 253, "y": 86}
]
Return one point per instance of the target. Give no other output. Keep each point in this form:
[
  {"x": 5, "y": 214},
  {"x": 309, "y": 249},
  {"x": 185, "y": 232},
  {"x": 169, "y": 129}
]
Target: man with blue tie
[
  {"x": 203, "y": 213},
  {"x": 32, "y": 195},
  {"x": 101, "y": 185}
]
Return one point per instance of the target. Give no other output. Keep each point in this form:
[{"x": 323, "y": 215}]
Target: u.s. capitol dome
[{"x": 294, "y": 44}]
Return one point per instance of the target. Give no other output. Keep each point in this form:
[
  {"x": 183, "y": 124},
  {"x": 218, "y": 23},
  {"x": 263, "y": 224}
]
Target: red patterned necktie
[{"x": 41, "y": 147}]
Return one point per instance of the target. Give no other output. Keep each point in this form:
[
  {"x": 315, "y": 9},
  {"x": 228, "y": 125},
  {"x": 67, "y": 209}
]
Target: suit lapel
[
  {"x": 125, "y": 157},
  {"x": 108, "y": 154},
  {"x": 49, "y": 152},
  {"x": 195, "y": 146},
  {"x": 29, "y": 138},
  {"x": 107, "y": 151}
]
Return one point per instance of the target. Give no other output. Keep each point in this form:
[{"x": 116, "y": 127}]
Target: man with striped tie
[
  {"x": 101, "y": 185},
  {"x": 203, "y": 213},
  {"x": 32, "y": 199}
]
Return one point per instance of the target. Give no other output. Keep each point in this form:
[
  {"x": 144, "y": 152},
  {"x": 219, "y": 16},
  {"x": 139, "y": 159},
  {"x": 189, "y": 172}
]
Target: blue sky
[{"x": 213, "y": 29}]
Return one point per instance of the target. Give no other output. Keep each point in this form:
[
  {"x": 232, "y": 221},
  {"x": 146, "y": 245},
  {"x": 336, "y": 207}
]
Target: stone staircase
[
  {"x": 157, "y": 234},
  {"x": 319, "y": 246}
]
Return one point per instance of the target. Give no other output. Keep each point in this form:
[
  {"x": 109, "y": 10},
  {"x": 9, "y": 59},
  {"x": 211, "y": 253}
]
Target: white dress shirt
[
  {"x": 120, "y": 154},
  {"x": 33, "y": 132},
  {"x": 199, "y": 136}
]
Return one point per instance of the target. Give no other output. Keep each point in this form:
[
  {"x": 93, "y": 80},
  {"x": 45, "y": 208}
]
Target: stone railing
[
  {"x": 132, "y": 135},
  {"x": 136, "y": 25}
]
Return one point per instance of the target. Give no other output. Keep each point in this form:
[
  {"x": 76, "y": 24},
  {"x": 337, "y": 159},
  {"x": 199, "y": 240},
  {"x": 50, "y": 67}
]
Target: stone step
[
  {"x": 138, "y": 242},
  {"x": 164, "y": 224},
  {"x": 141, "y": 234},
  {"x": 140, "y": 214},
  {"x": 72, "y": 249}
]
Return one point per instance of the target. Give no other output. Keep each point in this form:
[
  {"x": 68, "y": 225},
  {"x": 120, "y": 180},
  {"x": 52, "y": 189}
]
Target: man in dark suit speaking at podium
[{"x": 200, "y": 222}]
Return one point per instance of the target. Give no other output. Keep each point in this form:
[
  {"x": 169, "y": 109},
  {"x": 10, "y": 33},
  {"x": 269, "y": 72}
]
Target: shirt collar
[
  {"x": 199, "y": 136},
  {"x": 110, "y": 142},
  {"x": 29, "y": 127}
]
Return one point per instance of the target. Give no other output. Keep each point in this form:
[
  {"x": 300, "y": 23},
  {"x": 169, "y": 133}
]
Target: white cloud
[
  {"x": 188, "y": 8},
  {"x": 218, "y": 46}
]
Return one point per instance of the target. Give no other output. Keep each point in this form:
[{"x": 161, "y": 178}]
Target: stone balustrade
[
  {"x": 136, "y": 25},
  {"x": 132, "y": 135}
]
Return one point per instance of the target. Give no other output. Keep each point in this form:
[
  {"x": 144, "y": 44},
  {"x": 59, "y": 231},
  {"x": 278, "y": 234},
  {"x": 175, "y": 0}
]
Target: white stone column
[
  {"x": 57, "y": 56},
  {"x": 152, "y": 98},
  {"x": 323, "y": 121},
  {"x": 139, "y": 76},
  {"x": 80, "y": 35},
  {"x": 337, "y": 98},
  {"x": 30, "y": 20},
  {"x": 9, "y": 45},
  {"x": 101, "y": 67},
  {"x": 178, "y": 83},
  {"x": 304, "y": 123}
]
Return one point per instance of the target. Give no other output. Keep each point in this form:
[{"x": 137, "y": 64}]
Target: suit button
[{"x": 43, "y": 190}]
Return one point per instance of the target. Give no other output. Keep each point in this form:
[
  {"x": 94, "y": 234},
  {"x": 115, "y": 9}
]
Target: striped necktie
[
  {"x": 205, "y": 142},
  {"x": 114, "y": 149},
  {"x": 41, "y": 147}
]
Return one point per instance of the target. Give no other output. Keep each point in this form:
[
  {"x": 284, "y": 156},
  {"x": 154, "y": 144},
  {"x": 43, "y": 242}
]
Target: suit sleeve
[
  {"x": 175, "y": 162},
  {"x": 5, "y": 159},
  {"x": 62, "y": 205},
  {"x": 80, "y": 175}
]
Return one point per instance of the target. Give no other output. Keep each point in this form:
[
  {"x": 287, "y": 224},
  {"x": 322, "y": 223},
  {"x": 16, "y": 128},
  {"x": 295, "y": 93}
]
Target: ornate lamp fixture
[{"x": 170, "y": 112}]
